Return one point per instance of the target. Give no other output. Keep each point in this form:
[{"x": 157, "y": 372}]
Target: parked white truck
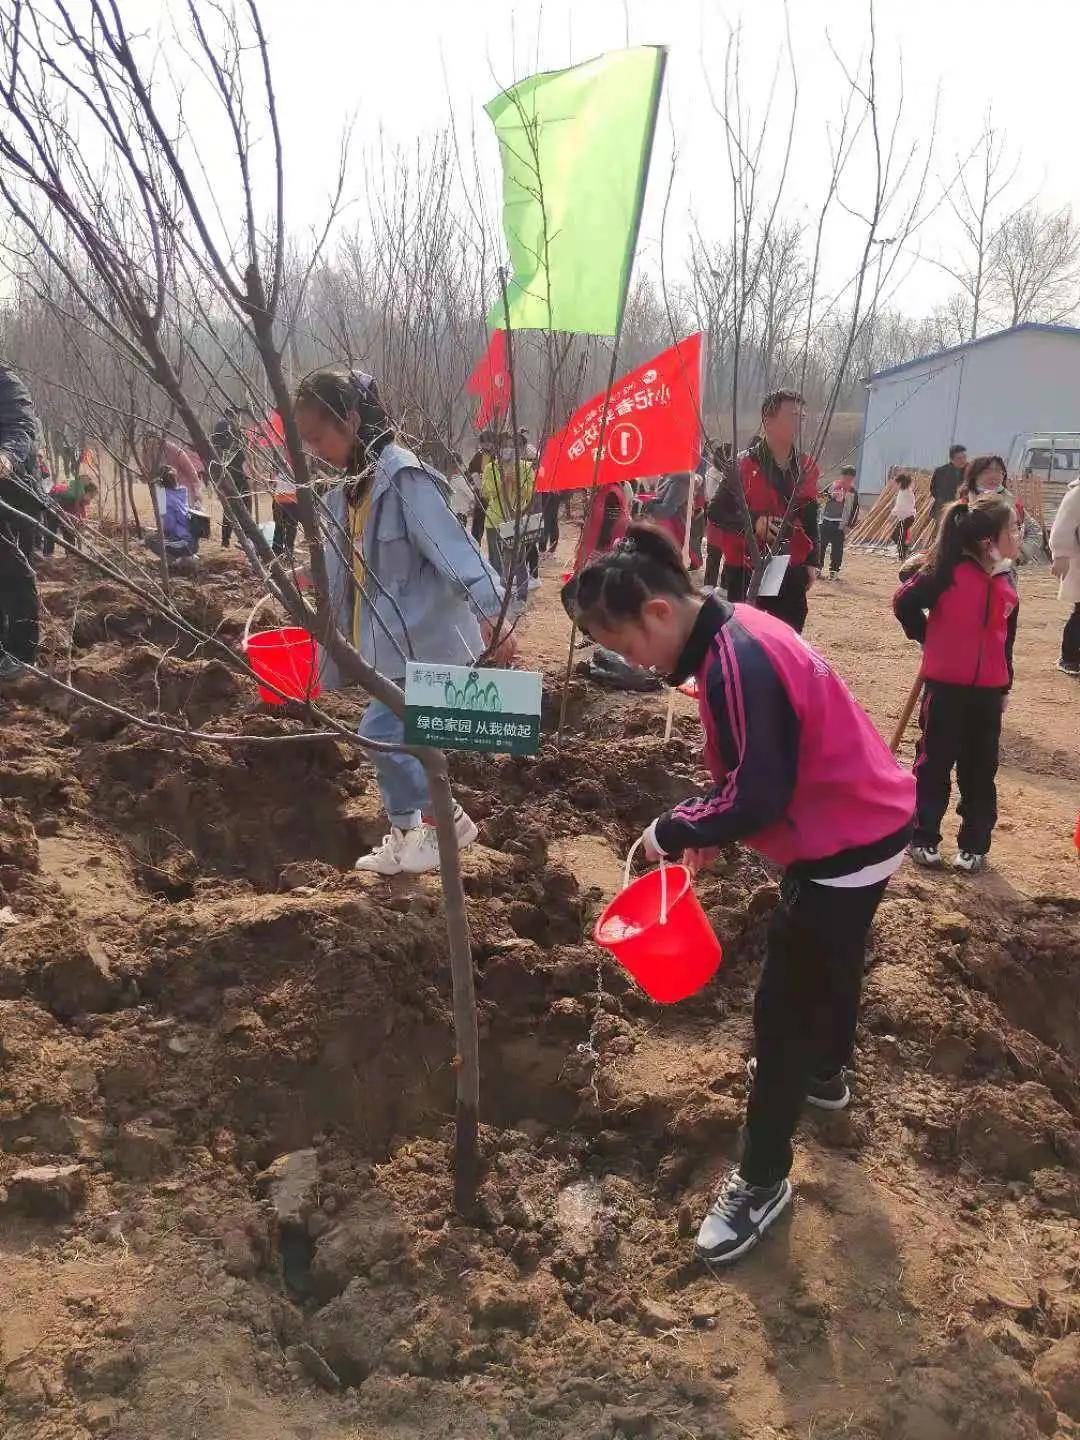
[{"x": 1054, "y": 455}]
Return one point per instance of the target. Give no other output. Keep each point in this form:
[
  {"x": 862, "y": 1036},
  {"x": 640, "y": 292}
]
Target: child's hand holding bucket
[
  {"x": 650, "y": 848},
  {"x": 694, "y": 860},
  {"x": 657, "y": 930}
]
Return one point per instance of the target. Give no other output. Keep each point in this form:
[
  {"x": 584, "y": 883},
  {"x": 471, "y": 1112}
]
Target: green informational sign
[{"x": 454, "y": 707}]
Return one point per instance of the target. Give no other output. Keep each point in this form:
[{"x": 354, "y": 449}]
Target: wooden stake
[
  {"x": 690, "y": 497},
  {"x": 906, "y": 714}
]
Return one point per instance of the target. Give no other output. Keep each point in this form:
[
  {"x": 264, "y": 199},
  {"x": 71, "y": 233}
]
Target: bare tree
[
  {"x": 99, "y": 162},
  {"x": 981, "y": 181},
  {"x": 789, "y": 317},
  {"x": 952, "y": 321},
  {"x": 1036, "y": 266}
]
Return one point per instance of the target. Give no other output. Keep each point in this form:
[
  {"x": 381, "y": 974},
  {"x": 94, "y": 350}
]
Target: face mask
[{"x": 990, "y": 489}]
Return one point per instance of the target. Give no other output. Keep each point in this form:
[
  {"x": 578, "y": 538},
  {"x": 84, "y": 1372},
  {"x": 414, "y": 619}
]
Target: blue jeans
[{"x": 402, "y": 782}]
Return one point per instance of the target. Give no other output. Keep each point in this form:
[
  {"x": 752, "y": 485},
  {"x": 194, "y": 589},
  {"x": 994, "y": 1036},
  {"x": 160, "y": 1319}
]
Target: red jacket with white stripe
[
  {"x": 763, "y": 499},
  {"x": 801, "y": 773},
  {"x": 966, "y": 628}
]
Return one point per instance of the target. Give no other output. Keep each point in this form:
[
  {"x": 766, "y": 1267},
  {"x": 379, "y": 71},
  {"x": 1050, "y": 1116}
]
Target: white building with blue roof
[{"x": 1015, "y": 393}]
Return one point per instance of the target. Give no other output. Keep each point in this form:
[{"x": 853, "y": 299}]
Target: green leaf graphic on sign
[{"x": 472, "y": 697}]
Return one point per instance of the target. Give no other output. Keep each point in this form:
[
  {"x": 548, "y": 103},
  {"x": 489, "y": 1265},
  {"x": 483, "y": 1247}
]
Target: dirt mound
[
  {"x": 226, "y": 1075},
  {"x": 967, "y": 1392}
]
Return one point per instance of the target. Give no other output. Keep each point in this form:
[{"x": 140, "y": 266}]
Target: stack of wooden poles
[{"x": 1029, "y": 490}]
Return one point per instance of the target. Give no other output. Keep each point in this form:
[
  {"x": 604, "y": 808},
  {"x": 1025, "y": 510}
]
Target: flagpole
[
  {"x": 643, "y": 177},
  {"x": 691, "y": 495},
  {"x": 588, "y": 508},
  {"x": 690, "y": 498},
  {"x": 515, "y": 558}
]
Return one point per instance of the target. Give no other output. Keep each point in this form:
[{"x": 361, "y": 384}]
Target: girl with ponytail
[
  {"x": 800, "y": 775},
  {"x": 408, "y": 584},
  {"x": 962, "y": 607}
]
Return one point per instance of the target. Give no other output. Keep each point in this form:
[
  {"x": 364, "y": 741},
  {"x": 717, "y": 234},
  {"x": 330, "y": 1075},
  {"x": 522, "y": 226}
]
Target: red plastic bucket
[
  {"x": 286, "y": 660},
  {"x": 657, "y": 930}
]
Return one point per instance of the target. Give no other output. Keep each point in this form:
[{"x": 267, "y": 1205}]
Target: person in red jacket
[
  {"x": 962, "y": 607},
  {"x": 606, "y": 520},
  {"x": 780, "y": 487}
]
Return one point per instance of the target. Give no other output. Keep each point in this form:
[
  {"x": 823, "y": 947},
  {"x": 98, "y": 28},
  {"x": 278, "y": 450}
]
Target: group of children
[{"x": 800, "y": 772}]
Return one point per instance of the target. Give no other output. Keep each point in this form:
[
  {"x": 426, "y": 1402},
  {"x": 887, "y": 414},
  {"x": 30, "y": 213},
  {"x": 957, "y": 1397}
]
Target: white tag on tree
[{"x": 774, "y": 574}]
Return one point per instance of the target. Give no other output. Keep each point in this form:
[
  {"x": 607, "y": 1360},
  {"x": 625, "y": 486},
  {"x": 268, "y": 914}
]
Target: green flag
[{"x": 575, "y": 148}]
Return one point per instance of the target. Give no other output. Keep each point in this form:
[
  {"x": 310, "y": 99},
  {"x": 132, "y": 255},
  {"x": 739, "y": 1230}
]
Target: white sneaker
[
  {"x": 970, "y": 862},
  {"x": 420, "y": 848},
  {"x": 466, "y": 828},
  {"x": 414, "y": 851},
  {"x": 738, "y": 1219},
  {"x": 385, "y": 859},
  {"x": 928, "y": 856}
]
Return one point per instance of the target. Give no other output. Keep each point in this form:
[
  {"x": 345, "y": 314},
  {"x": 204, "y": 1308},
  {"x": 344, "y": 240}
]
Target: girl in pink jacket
[
  {"x": 800, "y": 775},
  {"x": 962, "y": 607}
]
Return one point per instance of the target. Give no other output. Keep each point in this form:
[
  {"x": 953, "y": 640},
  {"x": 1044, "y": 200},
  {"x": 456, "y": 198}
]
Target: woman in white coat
[{"x": 1065, "y": 550}]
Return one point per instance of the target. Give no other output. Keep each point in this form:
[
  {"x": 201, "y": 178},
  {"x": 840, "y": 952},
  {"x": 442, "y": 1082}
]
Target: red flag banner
[
  {"x": 269, "y": 432},
  {"x": 490, "y": 382},
  {"x": 653, "y": 426}
]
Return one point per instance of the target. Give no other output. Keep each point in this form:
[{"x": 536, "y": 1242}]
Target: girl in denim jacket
[{"x": 408, "y": 582}]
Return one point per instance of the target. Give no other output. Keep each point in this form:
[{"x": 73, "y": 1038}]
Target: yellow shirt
[{"x": 501, "y": 503}]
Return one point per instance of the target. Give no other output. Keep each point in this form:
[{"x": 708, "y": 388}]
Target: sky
[{"x": 400, "y": 72}]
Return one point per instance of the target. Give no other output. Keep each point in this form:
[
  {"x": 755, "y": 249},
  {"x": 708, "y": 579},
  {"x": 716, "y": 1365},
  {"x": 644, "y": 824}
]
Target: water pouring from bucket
[
  {"x": 286, "y": 659},
  {"x": 656, "y": 929}
]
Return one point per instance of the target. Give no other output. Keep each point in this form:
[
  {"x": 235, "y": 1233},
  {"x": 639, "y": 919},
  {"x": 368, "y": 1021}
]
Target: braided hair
[{"x": 344, "y": 392}]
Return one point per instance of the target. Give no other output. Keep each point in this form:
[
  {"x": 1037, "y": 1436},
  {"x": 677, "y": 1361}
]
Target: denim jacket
[{"x": 426, "y": 583}]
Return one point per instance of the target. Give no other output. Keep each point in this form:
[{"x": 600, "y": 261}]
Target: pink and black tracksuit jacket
[
  {"x": 802, "y": 776},
  {"x": 966, "y": 627}
]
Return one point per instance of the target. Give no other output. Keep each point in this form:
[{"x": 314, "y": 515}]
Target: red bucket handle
[{"x": 663, "y": 877}]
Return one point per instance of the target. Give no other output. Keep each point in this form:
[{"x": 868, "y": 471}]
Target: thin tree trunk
[
  {"x": 135, "y": 521},
  {"x": 467, "y": 1059}
]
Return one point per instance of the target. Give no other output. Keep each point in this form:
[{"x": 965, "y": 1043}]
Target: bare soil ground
[{"x": 242, "y": 1050}]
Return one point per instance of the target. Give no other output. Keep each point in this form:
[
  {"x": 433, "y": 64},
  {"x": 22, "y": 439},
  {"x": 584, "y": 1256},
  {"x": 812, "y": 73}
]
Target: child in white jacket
[
  {"x": 1065, "y": 550},
  {"x": 903, "y": 514}
]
